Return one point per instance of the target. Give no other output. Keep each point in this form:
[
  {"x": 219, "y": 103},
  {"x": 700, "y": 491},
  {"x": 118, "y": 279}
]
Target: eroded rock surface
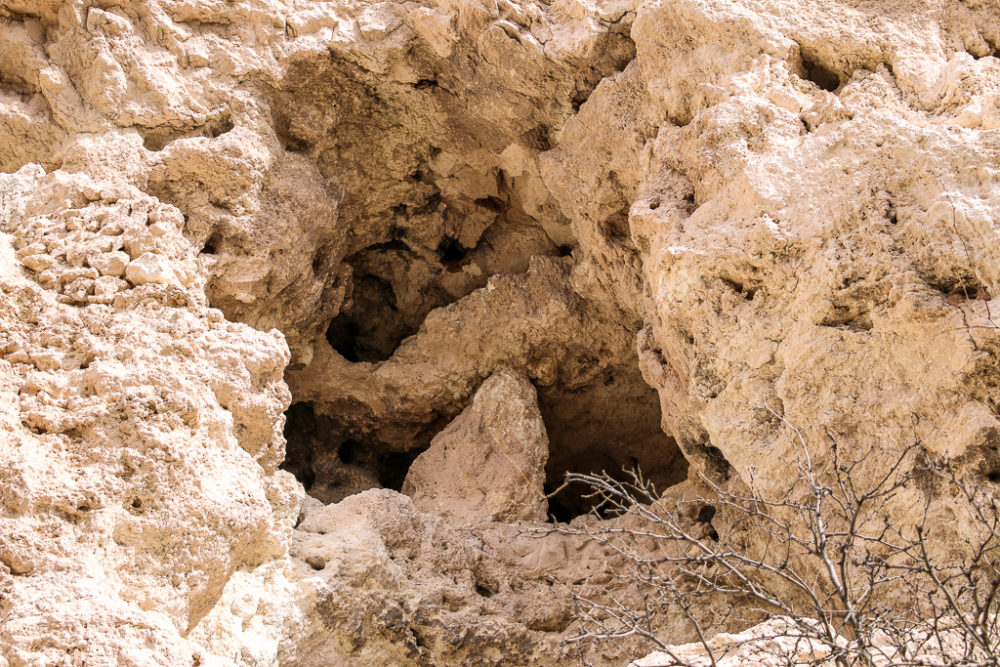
[
  {"x": 669, "y": 220},
  {"x": 489, "y": 463}
]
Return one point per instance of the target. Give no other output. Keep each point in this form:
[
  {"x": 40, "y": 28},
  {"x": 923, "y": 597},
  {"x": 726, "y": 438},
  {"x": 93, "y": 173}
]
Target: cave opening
[
  {"x": 369, "y": 327},
  {"x": 820, "y": 74},
  {"x": 431, "y": 216},
  {"x": 331, "y": 465},
  {"x": 611, "y": 426}
]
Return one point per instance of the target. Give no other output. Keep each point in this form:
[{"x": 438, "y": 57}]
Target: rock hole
[
  {"x": 706, "y": 514},
  {"x": 537, "y": 138},
  {"x": 300, "y": 423},
  {"x": 219, "y": 127},
  {"x": 611, "y": 425},
  {"x": 391, "y": 467},
  {"x": 745, "y": 291},
  {"x": 332, "y": 466},
  {"x": 451, "y": 253},
  {"x": 211, "y": 246},
  {"x": 821, "y": 75},
  {"x": 689, "y": 203},
  {"x": 421, "y": 175},
  {"x": 492, "y": 203},
  {"x": 615, "y": 228},
  {"x": 134, "y": 506},
  {"x": 369, "y": 328},
  {"x": 854, "y": 317},
  {"x": 564, "y": 250},
  {"x": 156, "y": 139},
  {"x": 424, "y": 84},
  {"x": 959, "y": 287},
  {"x": 654, "y": 203}
]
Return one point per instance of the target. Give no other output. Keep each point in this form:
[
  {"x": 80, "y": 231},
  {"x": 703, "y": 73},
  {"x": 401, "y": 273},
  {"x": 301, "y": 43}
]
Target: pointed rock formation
[{"x": 489, "y": 463}]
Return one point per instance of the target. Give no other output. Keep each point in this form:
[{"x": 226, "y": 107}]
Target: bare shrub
[{"x": 878, "y": 558}]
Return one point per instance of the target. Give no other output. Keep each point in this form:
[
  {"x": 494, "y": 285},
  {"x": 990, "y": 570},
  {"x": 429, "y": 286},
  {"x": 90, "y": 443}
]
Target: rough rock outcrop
[
  {"x": 669, "y": 217},
  {"x": 489, "y": 463},
  {"x": 141, "y": 432}
]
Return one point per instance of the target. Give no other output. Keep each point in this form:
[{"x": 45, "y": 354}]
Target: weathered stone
[
  {"x": 666, "y": 219},
  {"x": 150, "y": 268},
  {"x": 488, "y": 464},
  {"x": 111, "y": 263}
]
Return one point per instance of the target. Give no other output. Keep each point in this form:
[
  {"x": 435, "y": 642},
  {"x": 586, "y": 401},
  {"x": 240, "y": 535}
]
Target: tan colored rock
[
  {"x": 488, "y": 464},
  {"x": 149, "y": 268},
  {"x": 765, "y": 645},
  {"x": 111, "y": 263},
  {"x": 38, "y": 262},
  {"x": 392, "y": 584},
  {"x": 118, "y": 454},
  {"x": 374, "y": 211}
]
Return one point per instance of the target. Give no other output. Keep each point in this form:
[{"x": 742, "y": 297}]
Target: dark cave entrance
[
  {"x": 332, "y": 466},
  {"x": 611, "y": 426},
  {"x": 370, "y": 328},
  {"x": 425, "y": 228}
]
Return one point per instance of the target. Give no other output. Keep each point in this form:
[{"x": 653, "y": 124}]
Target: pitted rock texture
[
  {"x": 138, "y": 423},
  {"x": 668, "y": 217}
]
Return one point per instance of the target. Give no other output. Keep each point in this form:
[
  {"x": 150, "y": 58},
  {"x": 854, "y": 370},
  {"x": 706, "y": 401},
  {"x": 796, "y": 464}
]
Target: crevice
[
  {"x": 992, "y": 52},
  {"x": 709, "y": 459},
  {"x": 491, "y": 203},
  {"x": 851, "y": 316},
  {"x": 156, "y": 138},
  {"x": 744, "y": 290},
  {"x": 824, "y": 77},
  {"x": 958, "y": 287}
]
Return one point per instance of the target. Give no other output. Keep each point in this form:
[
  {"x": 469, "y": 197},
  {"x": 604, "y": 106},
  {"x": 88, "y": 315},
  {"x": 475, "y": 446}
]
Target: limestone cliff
[{"x": 266, "y": 263}]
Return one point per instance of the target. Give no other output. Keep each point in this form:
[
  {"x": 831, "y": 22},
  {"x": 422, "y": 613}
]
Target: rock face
[
  {"x": 489, "y": 463},
  {"x": 259, "y": 249}
]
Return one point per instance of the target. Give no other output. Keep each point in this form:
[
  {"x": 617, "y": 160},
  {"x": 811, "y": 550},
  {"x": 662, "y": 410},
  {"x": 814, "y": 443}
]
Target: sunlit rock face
[{"x": 306, "y": 307}]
